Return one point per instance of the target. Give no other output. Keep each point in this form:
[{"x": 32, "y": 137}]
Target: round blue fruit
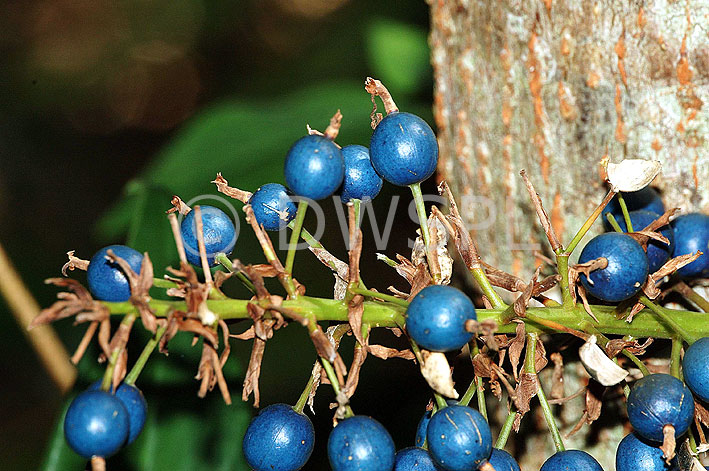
[
  {"x": 360, "y": 443},
  {"x": 503, "y": 461},
  {"x": 695, "y": 366},
  {"x": 133, "y": 400},
  {"x": 436, "y": 318},
  {"x": 422, "y": 427},
  {"x": 627, "y": 268},
  {"x": 657, "y": 252},
  {"x": 361, "y": 180},
  {"x": 106, "y": 280},
  {"x": 647, "y": 199},
  {"x": 219, "y": 234},
  {"x": 571, "y": 460},
  {"x": 278, "y": 438},
  {"x": 273, "y": 206},
  {"x": 692, "y": 234},
  {"x": 459, "y": 438},
  {"x": 404, "y": 149},
  {"x": 637, "y": 454},
  {"x": 658, "y": 400},
  {"x": 414, "y": 459},
  {"x": 314, "y": 167},
  {"x": 96, "y": 424}
]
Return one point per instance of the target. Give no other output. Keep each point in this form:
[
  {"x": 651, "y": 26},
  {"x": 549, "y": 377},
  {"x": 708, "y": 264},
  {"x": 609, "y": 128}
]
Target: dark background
[{"x": 108, "y": 108}]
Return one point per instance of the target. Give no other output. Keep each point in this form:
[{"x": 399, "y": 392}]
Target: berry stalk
[{"x": 133, "y": 374}]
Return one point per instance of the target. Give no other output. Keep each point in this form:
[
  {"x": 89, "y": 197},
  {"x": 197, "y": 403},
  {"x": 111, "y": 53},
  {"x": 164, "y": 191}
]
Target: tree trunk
[{"x": 552, "y": 88}]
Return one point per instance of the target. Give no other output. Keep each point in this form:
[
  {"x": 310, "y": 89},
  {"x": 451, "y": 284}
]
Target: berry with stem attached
[
  {"x": 422, "y": 426},
  {"x": 106, "y": 279},
  {"x": 96, "y": 424},
  {"x": 657, "y": 252},
  {"x": 279, "y": 438},
  {"x": 647, "y": 199},
  {"x": 639, "y": 455},
  {"x": 219, "y": 234},
  {"x": 436, "y": 318},
  {"x": 695, "y": 366},
  {"x": 459, "y": 438},
  {"x": 657, "y": 401},
  {"x": 503, "y": 461},
  {"x": 404, "y": 149},
  {"x": 361, "y": 180},
  {"x": 627, "y": 268},
  {"x": 133, "y": 400},
  {"x": 360, "y": 443},
  {"x": 571, "y": 460},
  {"x": 273, "y": 207},
  {"x": 314, "y": 167},
  {"x": 414, "y": 459},
  {"x": 692, "y": 234}
]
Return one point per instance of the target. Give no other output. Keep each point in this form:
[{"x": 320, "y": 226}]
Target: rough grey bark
[{"x": 552, "y": 87}]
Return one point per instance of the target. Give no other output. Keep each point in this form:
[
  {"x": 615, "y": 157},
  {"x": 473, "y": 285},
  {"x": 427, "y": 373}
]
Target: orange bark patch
[
  {"x": 620, "y": 52},
  {"x": 620, "y": 127},
  {"x": 506, "y": 113},
  {"x": 565, "y": 50},
  {"x": 535, "y": 87},
  {"x": 694, "y": 171},
  {"x": 656, "y": 145},
  {"x": 593, "y": 79},
  {"x": 568, "y": 111},
  {"x": 557, "y": 215},
  {"x": 642, "y": 21}
]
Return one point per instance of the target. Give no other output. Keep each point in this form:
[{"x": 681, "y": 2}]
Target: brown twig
[
  {"x": 202, "y": 249},
  {"x": 542, "y": 214},
  {"x": 175, "y": 226}
]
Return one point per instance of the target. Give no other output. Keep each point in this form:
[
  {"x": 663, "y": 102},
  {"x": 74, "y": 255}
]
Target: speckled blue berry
[
  {"x": 219, "y": 234},
  {"x": 106, "y": 280},
  {"x": 414, "y": 459},
  {"x": 278, "y": 438},
  {"x": 503, "y": 461},
  {"x": 459, "y": 438},
  {"x": 135, "y": 404},
  {"x": 404, "y": 149},
  {"x": 692, "y": 234},
  {"x": 658, "y": 400},
  {"x": 571, "y": 460},
  {"x": 695, "y": 367},
  {"x": 647, "y": 199},
  {"x": 637, "y": 454},
  {"x": 657, "y": 252},
  {"x": 96, "y": 424},
  {"x": 436, "y": 318},
  {"x": 273, "y": 206},
  {"x": 423, "y": 424},
  {"x": 361, "y": 182},
  {"x": 314, "y": 167},
  {"x": 360, "y": 443},
  {"x": 627, "y": 268}
]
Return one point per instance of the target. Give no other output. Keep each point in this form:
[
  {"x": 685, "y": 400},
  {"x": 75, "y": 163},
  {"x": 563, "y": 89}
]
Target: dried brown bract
[{"x": 224, "y": 188}]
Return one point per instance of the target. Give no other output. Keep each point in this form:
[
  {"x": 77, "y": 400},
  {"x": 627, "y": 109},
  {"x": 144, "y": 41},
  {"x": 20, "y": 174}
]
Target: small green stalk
[
  {"x": 295, "y": 235},
  {"x": 624, "y": 209},
  {"x": 469, "y": 393},
  {"x": 357, "y": 204},
  {"x": 132, "y": 376},
  {"x": 666, "y": 318},
  {"x": 486, "y": 287},
  {"x": 163, "y": 283},
  {"x": 482, "y": 407},
  {"x": 675, "y": 360},
  {"x": 226, "y": 263},
  {"x": 505, "y": 431},
  {"x": 589, "y": 222},
  {"x": 546, "y": 408},
  {"x": 108, "y": 374},
  {"x": 562, "y": 266},
  {"x": 614, "y": 224},
  {"x": 303, "y": 399},
  {"x": 423, "y": 222},
  {"x": 382, "y": 296}
]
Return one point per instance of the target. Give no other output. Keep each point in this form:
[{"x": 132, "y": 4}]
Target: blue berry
[
  {"x": 361, "y": 180},
  {"x": 436, "y": 318},
  {"x": 571, "y": 460},
  {"x": 360, "y": 443},
  {"x": 314, "y": 167},
  {"x": 279, "y": 438},
  {"x": 503, "y": 461},
  {"x": 692, "y": 234},
  {"x": 106, "y": 280},
  {"x": 636, "y": 454},
  {"x": 657, "y": 252},
  {"x": 459, "y": 438},
  {"x": 404, "y": 149},
  {"x": 96, "y": 424},
  {"x": 423, "y": 424},
  {"x": 414, "y": 459},
  {"x": 133, "y": 400},
  {"x": 647, "y": 199},
  {"x": 695, "y": 365},
  {"x": 219, "y": 234},
  {"x": 273, "y": 206},
  {"x": 627, "y": 268},
  {"x": 658, "y": 400}
]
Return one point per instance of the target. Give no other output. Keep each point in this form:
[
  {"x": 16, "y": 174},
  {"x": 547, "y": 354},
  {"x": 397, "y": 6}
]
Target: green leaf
[{"x": 399, "y": 56}]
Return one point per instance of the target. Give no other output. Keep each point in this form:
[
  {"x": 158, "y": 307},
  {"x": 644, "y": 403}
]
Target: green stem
[
  {"x": 385, "y": 297},
  {"x": 486, "y": 287},
  {"x": 482, "y": 407},
  {"x": 132, "y": 376},
  {"x": 624, "y": 209},
  {"x": 423, "y": 222},
  {"x": 505, "y": 431},
  {"x": 357, "y": 204},
  {"x": 469, "y": 393},
  {"x": 696, "y": 298},
  {"x": 163, "y": 283},
  {"x": 562, "y": 266},
  {"x": 669, "y": 320},
  {"x": 675, "y": 360},
  {"x": 589, "y": 222},
  {"x": 529, "y": 368},
  {"x": 295, "y": 235},
  {"x": 614, "y": 224},
  {"x": 300, "y": 405},
  {"x": 108, "y": 374},
  {"x": 226, "y": 263}
]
